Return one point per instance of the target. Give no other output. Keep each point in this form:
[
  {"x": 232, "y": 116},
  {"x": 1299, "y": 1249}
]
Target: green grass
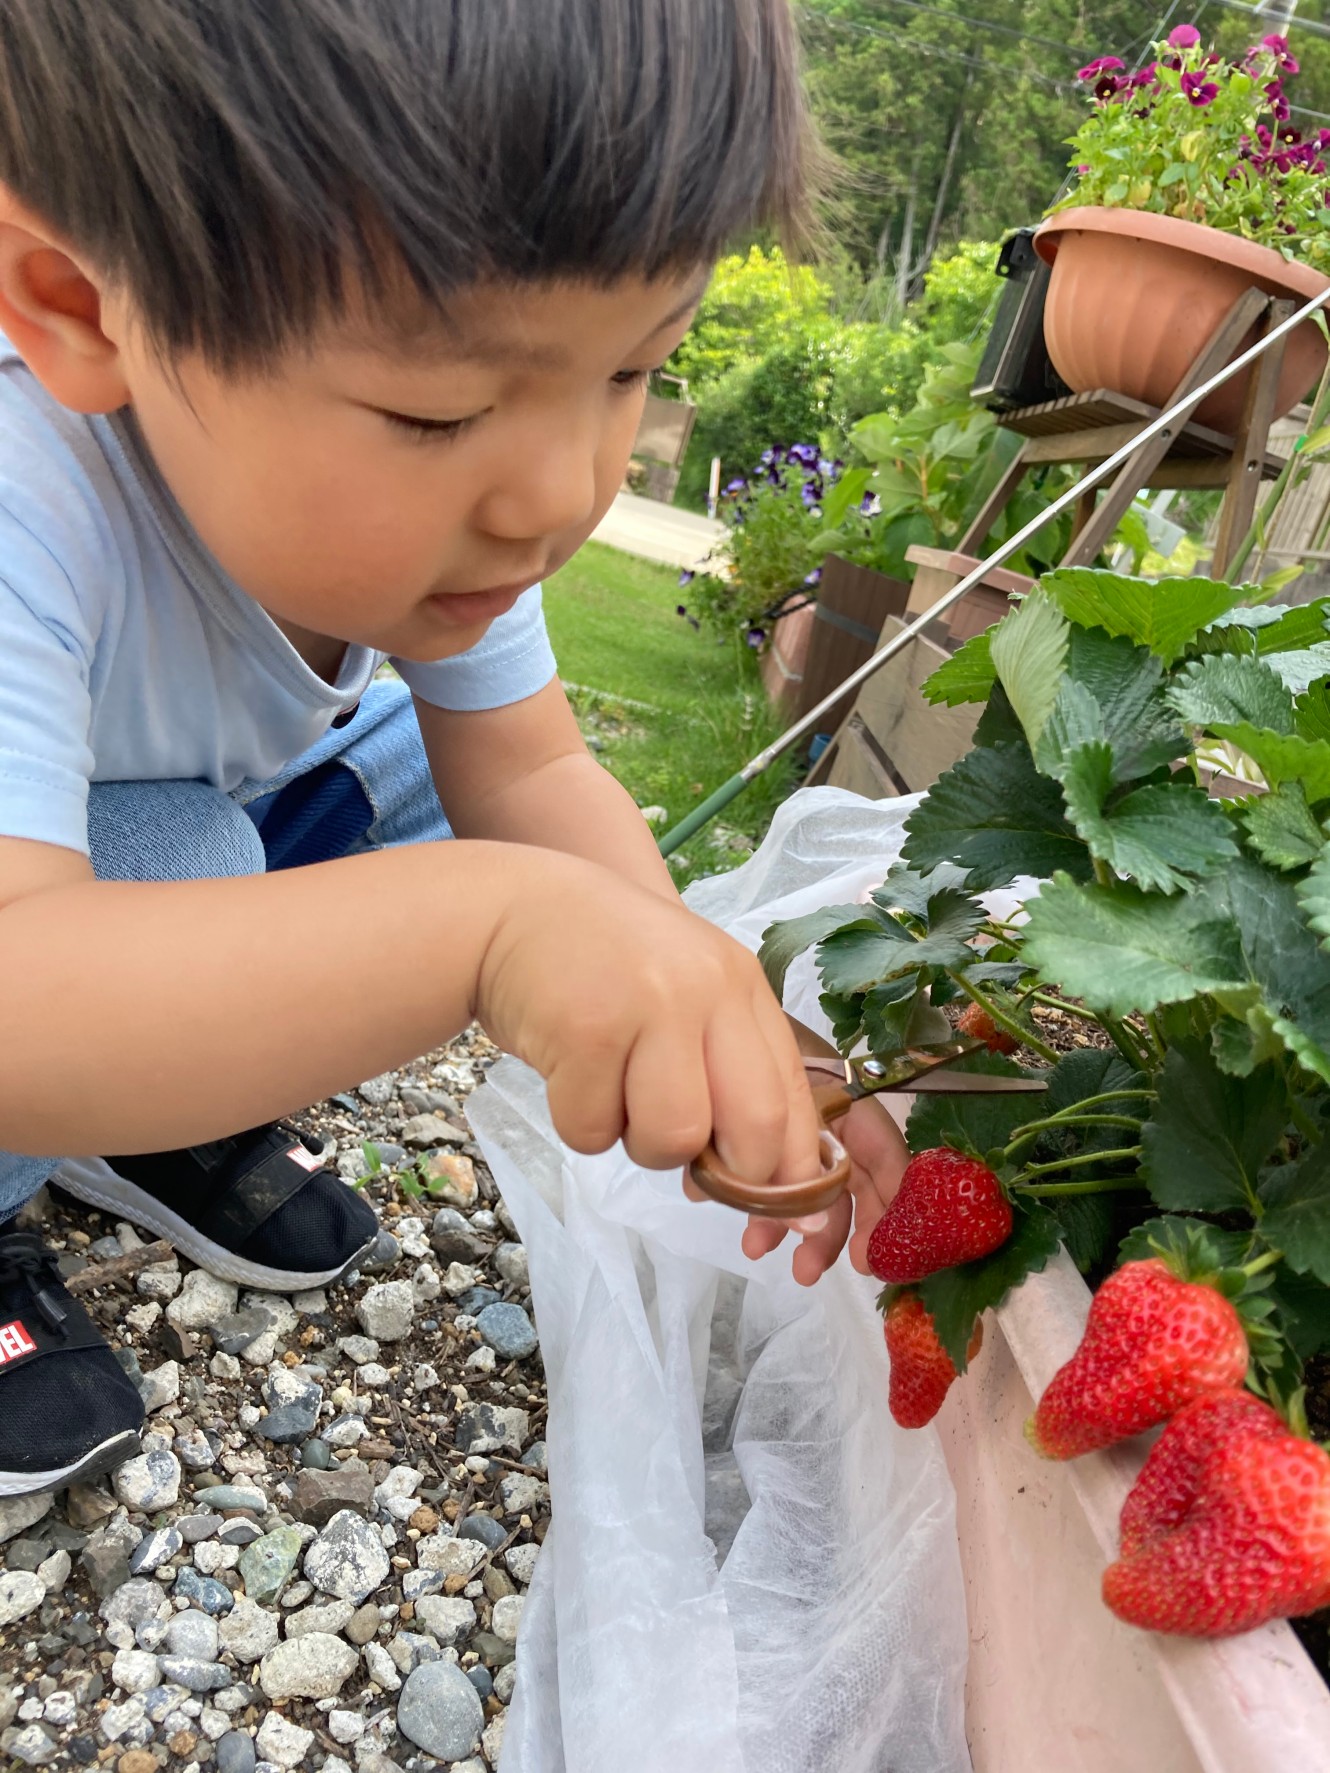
[{"x": 672, "y": 713}]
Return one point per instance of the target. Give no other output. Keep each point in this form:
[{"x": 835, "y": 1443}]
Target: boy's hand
[
  {"x": 648, "y": 1024},
  {"x": 878, "y": 1155}
]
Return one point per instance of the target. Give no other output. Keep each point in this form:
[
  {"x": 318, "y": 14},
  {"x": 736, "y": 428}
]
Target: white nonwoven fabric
[{"x": 750, "y": 1568}]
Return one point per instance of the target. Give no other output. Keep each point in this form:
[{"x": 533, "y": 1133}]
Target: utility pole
[{"x": 1279, "y": 13}]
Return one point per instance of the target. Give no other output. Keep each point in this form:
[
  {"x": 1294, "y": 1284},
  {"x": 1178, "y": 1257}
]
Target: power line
[
  {"x": 935, "y": 49},
  {"x": 955, "y": 18},
  {"x": 1259, "y": 15}
]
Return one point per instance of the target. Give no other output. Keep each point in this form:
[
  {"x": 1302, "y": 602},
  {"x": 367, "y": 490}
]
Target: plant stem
[
  {"x": 1293, "y": 471},
  {"x": 1098, "y": 1185},
  {"x": 1268, "y": 1260},
  {"x": 1058, "y": 1122},
  {"x": 1102, "y": 872},
  {"x": 1061, "y": 1003},
  {"x": 1001, "y": 1019},
  {"x": 1118, "y": 1155}
]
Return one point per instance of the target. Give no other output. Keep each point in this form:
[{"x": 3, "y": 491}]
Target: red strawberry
[
  {"x": 1152, "y": 1343},
  {"x": 1166, "y": 1486},
  {"x": 975, "y": 1023},
  {"x": 949, "y": 1209},
  {"x": 921, "y": 1368},
  {"x": 1250, "y": 1543}
]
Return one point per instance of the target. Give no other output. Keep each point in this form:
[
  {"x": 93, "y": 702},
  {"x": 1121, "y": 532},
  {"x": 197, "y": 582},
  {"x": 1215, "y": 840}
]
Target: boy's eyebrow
[{"x": 429, "y": 341}]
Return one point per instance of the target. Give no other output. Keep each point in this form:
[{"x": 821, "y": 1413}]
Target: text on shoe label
[{"x": 15, "y": 1342}]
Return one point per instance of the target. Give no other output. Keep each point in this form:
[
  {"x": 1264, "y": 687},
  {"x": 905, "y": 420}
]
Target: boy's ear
[{"x": 51, "y": 311}]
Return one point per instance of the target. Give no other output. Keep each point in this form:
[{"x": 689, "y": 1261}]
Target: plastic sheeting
[{"x": 750, "y": 1568}]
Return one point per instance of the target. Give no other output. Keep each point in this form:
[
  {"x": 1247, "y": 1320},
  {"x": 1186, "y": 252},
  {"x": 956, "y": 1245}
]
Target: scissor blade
[{"x": 969, "y": 1083}]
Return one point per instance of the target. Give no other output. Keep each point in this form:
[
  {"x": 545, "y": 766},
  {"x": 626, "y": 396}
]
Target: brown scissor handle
[{"x": 787, "y": 1200}]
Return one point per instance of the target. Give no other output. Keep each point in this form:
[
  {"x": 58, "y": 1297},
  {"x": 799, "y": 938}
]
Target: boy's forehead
[{"x": 538, "y": 325}]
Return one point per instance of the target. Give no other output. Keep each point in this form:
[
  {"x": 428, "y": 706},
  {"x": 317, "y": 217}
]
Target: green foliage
[{"x": 1195, "y": 932}]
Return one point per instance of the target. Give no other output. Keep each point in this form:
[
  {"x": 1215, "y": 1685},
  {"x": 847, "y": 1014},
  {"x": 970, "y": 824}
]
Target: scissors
[{"x": 920, "y": 1069}]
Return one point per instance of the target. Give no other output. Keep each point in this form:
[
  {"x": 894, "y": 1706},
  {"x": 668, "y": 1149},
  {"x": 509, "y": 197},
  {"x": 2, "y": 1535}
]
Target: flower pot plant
[
  {"x": 1181, "y": 1154},
  {"x": 1192, "y": 184}
]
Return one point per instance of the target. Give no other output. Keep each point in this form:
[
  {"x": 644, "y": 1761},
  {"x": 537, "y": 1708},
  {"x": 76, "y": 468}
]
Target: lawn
[{"x": 670, "y": 711}]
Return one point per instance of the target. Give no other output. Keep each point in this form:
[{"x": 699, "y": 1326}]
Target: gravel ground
[{"x": 319, "y": 1561}]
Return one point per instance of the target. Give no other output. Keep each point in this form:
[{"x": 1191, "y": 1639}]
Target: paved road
[{"x": 657, "y": 532}]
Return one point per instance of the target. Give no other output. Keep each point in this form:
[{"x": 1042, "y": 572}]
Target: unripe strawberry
[
  {"x": 975, "y": 1023},
  {"x": 1234, "y": 1529},
  {"x": 949, "y": 1208},
  {"x": 921, "y": 1369},
  {"x": 1152, "y": 1343}
]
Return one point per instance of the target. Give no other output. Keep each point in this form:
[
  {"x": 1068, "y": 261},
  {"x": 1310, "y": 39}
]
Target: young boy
[{"x": 325, "y": 332}]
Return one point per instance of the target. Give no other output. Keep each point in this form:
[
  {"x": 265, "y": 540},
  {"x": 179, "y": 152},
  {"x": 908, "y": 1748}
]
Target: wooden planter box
[
  {"x": 842, "y": 631},
  {"x": 937, "y": 570}
]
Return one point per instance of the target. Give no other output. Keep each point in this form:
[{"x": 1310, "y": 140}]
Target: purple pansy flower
[
  {"x": 813, "y": 578},
  {"x": 1278, "y": 47},
  {"x": 755, "y": 637},
  {"x": 1183, "y": 37},
  {"x": 686, "y": 577},
  {"x": 1107, "y": 64},
  {"x": 1199, "y": 90}
]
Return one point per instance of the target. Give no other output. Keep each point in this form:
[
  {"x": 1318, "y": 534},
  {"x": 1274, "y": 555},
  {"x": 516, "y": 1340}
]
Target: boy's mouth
[{"x": 464, "y": 609}]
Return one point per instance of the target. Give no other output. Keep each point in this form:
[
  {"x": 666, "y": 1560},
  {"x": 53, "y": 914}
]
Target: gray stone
[
  {"x": 54, "y": 1571},
  {"x": 505, "y": 1680},
  {"x": 249, "y": 1631},
  {"x": 408, "y": 1650},
  {"x": 521, "y": 1493},
  {"x": 322, "y": 1616},
  {"x": 485, "y": 1528},
  {"x": 418, "y": 1582},
  {"x": 316, "y": 1456},
  {"x": 24, "y": 1554},
  {"x": 510, "y": 1264},
  {"x": 201, "y": 1302},
  {"x": 386, "y": 1311},
  {"x": 192, "y": 1634},
  {"x": 474, "y": 1300},
  {"x": 347, "y": 1559},
  {"x": 424, "y": 1131},
  {"x": 453, "y": 1238},
  {"x": 234, "y": 1332},
  {"x": 344, "y": 1431},
  {"x": 239, "y": 1532},
  {"x": 266, "y": 1565},
  {"x": 197, "y": 1449},
  {"x": 161, "y": 1386},
  {"x": 381, "y": 1669},
  {"x": 135, "y": 1671},
  {"x": 384, "y": 1254},
  {"x": 315, "y": 1665},
  {"x": 535, "y": 1456},
  {"x": 199, "y": 1677},
  {"x": 440, "y": 1711},
  {"x": 234, "y": 1752},
  {"x": 373, "y": 1376},
  {"x": 454, "y": 1557},
  {"x": 345, "y": 1726},
  {"x": 506, "y": 1618},
  {"x": 150, "y": 1482},
  {"x": 195, "y": 1527},
  {"x": 21, "y": 1591},
  {"x": 282, "y": 1742},
  {"x": 34, "y": 1746},
  {"x": 481, "y": 1679},
  {"x": 154, "y": 1550},
  {"x": 508, "y": 1330},
  {"x": 521, "y": 1562},
  {"x": 448, "y": 1618},
  {"x": 203, "y": 1591},
  {"x": 378, "y": 1091},
  {"x": 359, "y": 1349},
  {"x": 18, "y": 1513},
  {"x": 289, "y": 1422},
  {"x": 362, "y": 1624},
  {"x": 488, "y": 1428},
  {"x": 134, "y": 1602},
  {"x": 319, "y": 1495},
  {"x": 223, "y": 1498}
]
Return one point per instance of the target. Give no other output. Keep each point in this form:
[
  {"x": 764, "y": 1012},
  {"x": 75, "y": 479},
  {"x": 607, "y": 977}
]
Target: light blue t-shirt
[{"x": 127, "y": 654}]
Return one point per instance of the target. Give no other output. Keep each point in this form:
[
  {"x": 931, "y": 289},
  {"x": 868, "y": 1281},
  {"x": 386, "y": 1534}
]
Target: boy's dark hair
[{"x": 236, "y": 165}]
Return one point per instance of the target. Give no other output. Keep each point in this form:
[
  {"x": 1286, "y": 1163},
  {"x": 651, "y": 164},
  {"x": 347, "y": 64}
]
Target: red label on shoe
[
  {"x": 15, "y": 1342},
  {"x": 306, "y": 1159}
]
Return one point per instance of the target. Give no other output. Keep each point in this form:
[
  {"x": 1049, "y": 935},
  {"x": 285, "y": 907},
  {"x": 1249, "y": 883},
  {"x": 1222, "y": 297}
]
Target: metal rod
[{"x": 1178, "y": 414}]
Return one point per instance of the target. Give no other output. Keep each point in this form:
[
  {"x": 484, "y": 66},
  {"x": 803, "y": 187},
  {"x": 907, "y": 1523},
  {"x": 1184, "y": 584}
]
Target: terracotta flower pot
[{"x": 1134, "y": 296}]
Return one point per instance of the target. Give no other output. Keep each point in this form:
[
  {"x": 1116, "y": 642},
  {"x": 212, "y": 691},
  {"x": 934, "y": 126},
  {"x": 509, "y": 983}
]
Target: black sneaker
[
  {"x": 258, "y": 1209},
  {"x": 67, "y": 1408}
]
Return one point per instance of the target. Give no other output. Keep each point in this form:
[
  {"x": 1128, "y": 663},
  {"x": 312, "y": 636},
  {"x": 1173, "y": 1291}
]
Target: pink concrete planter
[{"x": 1056, "y": 1684}]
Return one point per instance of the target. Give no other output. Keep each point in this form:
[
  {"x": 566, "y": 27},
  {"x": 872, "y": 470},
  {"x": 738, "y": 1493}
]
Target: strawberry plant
[{"x": 1187, "y": 1144}]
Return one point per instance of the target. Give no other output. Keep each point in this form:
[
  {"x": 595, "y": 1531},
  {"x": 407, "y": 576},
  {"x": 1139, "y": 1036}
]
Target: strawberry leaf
[
  {"x": 1314, "y": 895},
  {"x": 1210, "y": 1134},
  {"x": 783, "y": 942},
  {"x": 1281, "y": 829},
  {"x": 967, "y": 676},
  {"x": 1127, "y": 683},
  {"x": 980, "y": 1123},
  {"x": 1029, "y": 653},
  {"x": 1161, "y": 614},
  {"x": 1269, "y": 628},
  {"x": 1282, "y": 957},
  {"x": 1119, "y": 949},
  {"x": 861, "y": 955},
  {"x": 1281, "y": 757},
  {"x": 955, "y": 1297},
  {"x": 1311, "y": 711},
  {"x": 1228, "y": 689},
  {"x": 1297, "y": 1213},
  {"x": 906, "y": 890},
  {"x": 1303, "y": 1307},
  {"x": 1159, "y": 835},
  {"x": 993, "y": 814},
  {"x": 1194, "y": 1245}
]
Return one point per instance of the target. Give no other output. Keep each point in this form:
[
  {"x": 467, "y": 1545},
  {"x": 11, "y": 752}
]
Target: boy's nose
[{"x": 546, "y": 490}]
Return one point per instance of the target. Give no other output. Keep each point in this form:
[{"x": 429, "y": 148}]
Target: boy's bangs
[{"x": 240, "y": 167}]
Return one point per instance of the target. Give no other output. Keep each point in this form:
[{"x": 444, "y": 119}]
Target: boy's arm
[{"x": 523, "y": 774}]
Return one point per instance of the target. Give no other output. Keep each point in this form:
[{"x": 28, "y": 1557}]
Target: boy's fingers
[
  {"x": 667, "y": 1099},
  {"x": 818, "y": 1251},
  {"x": 750, "y": 1102},
  {"x": 761, "y": 1237},
  {"x": 586, "y": 1099}
]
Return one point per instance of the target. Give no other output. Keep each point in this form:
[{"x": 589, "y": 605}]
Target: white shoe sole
[
  {"x": 105, "y": 1457},
  {"x": 92, "y": 1180}
]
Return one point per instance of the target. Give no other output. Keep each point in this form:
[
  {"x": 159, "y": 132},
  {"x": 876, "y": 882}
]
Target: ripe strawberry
[
  {"x": 921, "y": 1368},
  {"x": 949, "y": 1209},
  {"x": 1166, "y": 1486},
  {"x": 975, "y": 1023},
  {"x": 1152, "y": 1343},
  {"x": 1249, "y": 1544}
]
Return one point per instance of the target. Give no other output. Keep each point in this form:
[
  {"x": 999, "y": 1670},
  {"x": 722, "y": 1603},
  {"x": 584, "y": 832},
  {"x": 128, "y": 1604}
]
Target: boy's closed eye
[{"x": 419, "y": 426}]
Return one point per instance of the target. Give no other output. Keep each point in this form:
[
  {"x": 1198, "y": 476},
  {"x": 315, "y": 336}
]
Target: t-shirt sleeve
[
  {"x": 46, "y": 760},
  {"x": 511, "y": 662}
]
